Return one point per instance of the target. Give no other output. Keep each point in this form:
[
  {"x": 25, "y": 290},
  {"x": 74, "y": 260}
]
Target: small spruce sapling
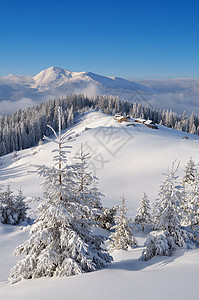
[
  {"x": 89, "y": 194},
  {"x": 13, "y": 208},
  {"x": 8, "y": 207},
  {"x": 143, "y": 216},
  {"x": 167, "y": 213},
  {"x": 191, "y": 202},
  {"x": 21, "y": 206},
  {"x": 122, "y": 238},
  {"x": 190, "y": 172},
  {"x": 87, "y": 189}
]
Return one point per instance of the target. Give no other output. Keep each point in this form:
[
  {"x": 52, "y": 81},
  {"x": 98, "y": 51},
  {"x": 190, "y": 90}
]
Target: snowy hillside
[
  {"x": 128, "y": 155},
  {"x": 23, "y": 91},
  {"x": 127, "y": 160}
]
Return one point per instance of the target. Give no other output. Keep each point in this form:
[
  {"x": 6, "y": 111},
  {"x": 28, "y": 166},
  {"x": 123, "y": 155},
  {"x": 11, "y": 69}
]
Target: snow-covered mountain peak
[
  {"x": 57, "y": 77},
  {"x": 52, "y": 75},
  {"x": 176, "y": 94}
]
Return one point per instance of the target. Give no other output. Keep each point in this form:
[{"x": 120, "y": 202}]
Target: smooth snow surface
[{"x": 127, "y": 160}]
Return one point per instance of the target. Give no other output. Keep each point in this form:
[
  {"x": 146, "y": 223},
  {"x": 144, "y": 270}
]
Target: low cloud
[
  {"x": 89, "y": 91},
  {"x": 177, "y": 102},
  {"x": 9, "y": 107}
]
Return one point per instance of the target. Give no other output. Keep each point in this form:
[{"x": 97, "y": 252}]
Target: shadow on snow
[
  {"x": 136, "y": 265},
  {"x": 6, "y": 173}
]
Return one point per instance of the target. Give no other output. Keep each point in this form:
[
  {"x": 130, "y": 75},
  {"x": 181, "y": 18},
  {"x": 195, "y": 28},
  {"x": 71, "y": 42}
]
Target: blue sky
[{"x": 130, "y": 39}]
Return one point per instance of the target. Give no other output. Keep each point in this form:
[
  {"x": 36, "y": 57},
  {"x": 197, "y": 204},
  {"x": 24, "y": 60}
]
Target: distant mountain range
[{"x": 22, "y": 91}]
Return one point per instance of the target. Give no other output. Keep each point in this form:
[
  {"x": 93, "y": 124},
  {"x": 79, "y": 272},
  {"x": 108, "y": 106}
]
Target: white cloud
[
  {"x": 89, "y": 91},
  {"x": 177, "y": 102},
  {"x": 9, "y": 107}
]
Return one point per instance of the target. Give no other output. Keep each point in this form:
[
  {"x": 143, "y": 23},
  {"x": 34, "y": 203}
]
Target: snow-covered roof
[
  {"x": 140, "y": 120},
  {"x": 148, "y": 122}
]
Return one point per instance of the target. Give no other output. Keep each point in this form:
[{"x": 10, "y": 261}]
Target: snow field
[{"x": 127, "y": 160}]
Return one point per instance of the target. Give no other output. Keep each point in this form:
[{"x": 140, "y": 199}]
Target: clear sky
[{"x": 130, "y": 39}]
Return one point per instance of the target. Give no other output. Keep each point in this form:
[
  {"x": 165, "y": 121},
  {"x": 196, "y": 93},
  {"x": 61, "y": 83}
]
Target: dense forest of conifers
[{"x": 25, "y": 128}]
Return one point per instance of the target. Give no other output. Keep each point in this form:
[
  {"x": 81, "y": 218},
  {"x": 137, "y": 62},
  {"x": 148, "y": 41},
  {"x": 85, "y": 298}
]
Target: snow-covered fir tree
[
  {"x": 8, "y": 209},
  {"x": 21, "y": 206},
  {"x": 167, "y": 218},
  {"x": 167, "y": 207},
  {"x": 13, "y": 208},
  {"x": 61, "y": 242},
  {"x": 122, "y": 236},
  {"x": 88, "y": 192},
  {"x": 191, "y": 202},
  {"x": 8, "y": 206},
  {"x": 87, "y": 189},
  {"x": 143, "y": 217},
  {"x": 190, "y": 172}
]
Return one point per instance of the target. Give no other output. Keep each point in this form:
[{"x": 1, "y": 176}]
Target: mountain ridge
[{"x": 53, "y": 82}]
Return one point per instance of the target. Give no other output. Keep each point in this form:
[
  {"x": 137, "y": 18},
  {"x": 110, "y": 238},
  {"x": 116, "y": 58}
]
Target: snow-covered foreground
[
  {"x": 127, "y": 160},
  {"x": 161, "y": 278}
]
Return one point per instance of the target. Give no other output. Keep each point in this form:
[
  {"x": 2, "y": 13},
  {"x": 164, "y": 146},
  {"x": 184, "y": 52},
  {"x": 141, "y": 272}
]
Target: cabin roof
[
  {"x": 149, "y": 122},
  {"x": 122, "y": 117},
  {"x": 140, "y": 120}
]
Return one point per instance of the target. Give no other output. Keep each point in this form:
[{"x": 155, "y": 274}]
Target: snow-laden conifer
[
  {"x": 190, "y": 172},
  {"x": 191, "y": 202},
  {"x": 87, "y": 189},
  {"x": 122, "y": 236},
  {"x": 21, "y": 206},
  {"x": 89, "y": 193},
  {"x": 161, "y": 242},
  {"x": 61, "y": 242},
  {"x": 8, "y": 207},
  {"x": 13, "y": 208},
  {"x": 143, "y": 217},
  {"x": 167, "y": 211},
  {"x": 167, "y": 218}
]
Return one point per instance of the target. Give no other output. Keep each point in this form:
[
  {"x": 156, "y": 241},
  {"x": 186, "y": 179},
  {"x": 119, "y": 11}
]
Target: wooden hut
[
  {"x": 140, "y": 120},
  {"x": 122, "y": 119},
  {"x": 150, "y": 124},
  {"x": 116, "y": 116}
]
